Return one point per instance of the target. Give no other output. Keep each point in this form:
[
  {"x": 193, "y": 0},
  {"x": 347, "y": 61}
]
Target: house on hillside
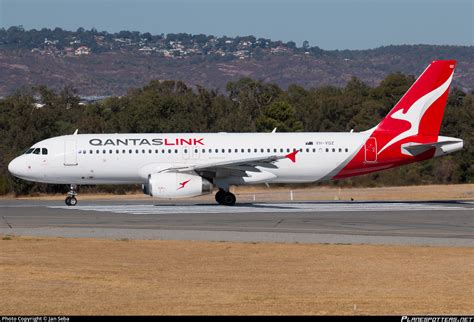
[{"x": 83, "y": 50}]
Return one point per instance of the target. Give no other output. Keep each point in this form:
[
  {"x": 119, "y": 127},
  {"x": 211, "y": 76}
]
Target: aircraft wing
[{"x": 236, "y": 167}]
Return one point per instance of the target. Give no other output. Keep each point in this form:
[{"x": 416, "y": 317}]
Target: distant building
[
  {"x": 279, "y": 50},
  {"x": 83, "y": 50},
  {"x": 146, "y": 49},
  {"x": 50, "y": 42}
]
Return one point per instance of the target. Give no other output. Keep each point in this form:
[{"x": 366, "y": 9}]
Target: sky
[{"x": 328, "y": 24}]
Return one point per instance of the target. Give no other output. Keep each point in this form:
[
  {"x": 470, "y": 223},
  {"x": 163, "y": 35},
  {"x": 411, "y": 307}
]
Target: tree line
[{"x": 247, "y": 105}]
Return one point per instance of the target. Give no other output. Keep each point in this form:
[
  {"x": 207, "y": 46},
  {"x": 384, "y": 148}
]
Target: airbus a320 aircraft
[{"x": 188, "y": 165}]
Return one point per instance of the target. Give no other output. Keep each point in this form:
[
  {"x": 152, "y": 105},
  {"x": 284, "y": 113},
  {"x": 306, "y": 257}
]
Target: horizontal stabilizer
[{"x": 444, "y": 146}]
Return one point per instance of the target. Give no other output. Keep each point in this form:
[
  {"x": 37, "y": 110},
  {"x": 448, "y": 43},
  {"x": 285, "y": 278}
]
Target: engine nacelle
[{"x": 176, "y": 185}]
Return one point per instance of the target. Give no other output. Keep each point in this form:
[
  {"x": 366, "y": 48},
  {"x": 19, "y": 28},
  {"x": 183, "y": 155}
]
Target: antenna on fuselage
[
  {"x": 274, "y": 130},
  {"x": 75, "y": 132}
]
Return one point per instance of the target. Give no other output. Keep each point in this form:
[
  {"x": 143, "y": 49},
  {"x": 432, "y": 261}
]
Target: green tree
[{"x": 280, "y": 115}]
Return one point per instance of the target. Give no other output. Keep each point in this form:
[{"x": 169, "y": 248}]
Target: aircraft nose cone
[{"x": 14, "y": 167}]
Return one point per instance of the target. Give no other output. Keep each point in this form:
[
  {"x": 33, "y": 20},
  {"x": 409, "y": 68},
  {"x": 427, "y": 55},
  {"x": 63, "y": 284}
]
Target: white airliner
[{"x": 188, "y": 165}]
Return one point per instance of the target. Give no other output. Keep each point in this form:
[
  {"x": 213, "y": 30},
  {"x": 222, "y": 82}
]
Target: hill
[{"x": 101, "y": 63}]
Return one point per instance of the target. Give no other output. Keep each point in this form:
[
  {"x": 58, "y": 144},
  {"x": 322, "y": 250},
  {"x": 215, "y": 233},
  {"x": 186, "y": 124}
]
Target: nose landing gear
[
  {"x": 71, "y": 195},
  {"x": 225, "y": 198}
]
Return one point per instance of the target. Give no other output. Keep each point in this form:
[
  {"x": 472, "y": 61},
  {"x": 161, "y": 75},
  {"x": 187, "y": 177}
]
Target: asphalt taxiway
[{"x": 447, "y": 223}]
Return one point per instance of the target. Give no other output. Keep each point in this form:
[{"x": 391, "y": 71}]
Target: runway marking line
[{"x": 263, "y": 208}]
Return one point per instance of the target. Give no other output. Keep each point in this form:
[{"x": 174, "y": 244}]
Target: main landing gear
[
  {"x": 71, "y": 195},
  {"x": 225, "y": 198}
]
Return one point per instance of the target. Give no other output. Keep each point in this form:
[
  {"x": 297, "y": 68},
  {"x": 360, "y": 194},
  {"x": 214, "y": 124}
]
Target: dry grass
[
  {"x": 86, "y": 276},
  {"x": 430, "y": 192},
  {"x": 247, "y": 193}
]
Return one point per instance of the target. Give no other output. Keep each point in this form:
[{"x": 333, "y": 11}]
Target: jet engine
[{"x": 176, "y": 185}]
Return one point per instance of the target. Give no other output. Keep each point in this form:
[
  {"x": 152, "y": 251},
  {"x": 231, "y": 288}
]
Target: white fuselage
[{"x": 130, "y": 158}]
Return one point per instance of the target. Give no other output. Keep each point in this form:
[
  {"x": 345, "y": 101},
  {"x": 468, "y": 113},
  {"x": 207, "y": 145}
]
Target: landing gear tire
[
  {"x": 71, "y": 199},
  {"x": 229, "y": 199},
  {"x": 225, "y": 198},
  {"x": 220, "y": 196}
]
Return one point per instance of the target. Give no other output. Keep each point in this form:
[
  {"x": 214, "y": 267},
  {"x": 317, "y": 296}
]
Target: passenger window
[
  {"x": 287, "y": 150},
  {"x": 307, "y": 150},
  {"x": 340, "y": 150},
  {"x": 149, "y": 151},
  {"x": 281, "y": 150},
  {"x": 223, "y": 150},
  {"x": 175, "y": 150},
  {"x": 130, "y": 151},
  {"x": 333, "y": 150},
  {"x": 262, "y": 150},
  {"x": 123, "y": 151},
  {"x": 195, "y": 150},
  {"x": 327, "y": 150},
  {"x": 347, "y": 150},
  {"x": 91, "y": 152},
  {"x": 255, "y": 150},
  {"x": 314, "y": 150},
  {"x": 44, "y": 151},
  {"x": 242, "y": 150},
  {"x": 117, "y": 151},
  {"x": 203, "y": 150},
  {"x": 268, "y": 150},
  {"x": 185, "y": 150}
]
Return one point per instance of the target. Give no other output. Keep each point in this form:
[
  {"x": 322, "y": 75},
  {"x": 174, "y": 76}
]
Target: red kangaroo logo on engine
[{"x": 183, "y": 184}]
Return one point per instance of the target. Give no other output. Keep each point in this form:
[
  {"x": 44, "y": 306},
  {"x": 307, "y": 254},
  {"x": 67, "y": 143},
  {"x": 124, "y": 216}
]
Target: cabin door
[
  {"x": 70, "y": 152},
  {"x": 371, "y": 150}
]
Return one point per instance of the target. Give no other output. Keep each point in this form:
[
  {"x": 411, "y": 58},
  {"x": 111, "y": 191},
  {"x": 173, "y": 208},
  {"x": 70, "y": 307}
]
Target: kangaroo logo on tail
[
  {"x": 418, "y": 114},
  {"x": 415, "y": 113}
]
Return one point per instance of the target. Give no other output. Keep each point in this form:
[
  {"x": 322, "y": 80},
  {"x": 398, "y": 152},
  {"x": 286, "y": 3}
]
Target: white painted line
[{"x": 262, "y": 208}]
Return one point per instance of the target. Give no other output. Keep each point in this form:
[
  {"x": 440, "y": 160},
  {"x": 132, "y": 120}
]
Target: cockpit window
[
  {"x": 36, "y": 151},
  {"x": 44, "y": 151},
  {"x": 29, "y": 151}
]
